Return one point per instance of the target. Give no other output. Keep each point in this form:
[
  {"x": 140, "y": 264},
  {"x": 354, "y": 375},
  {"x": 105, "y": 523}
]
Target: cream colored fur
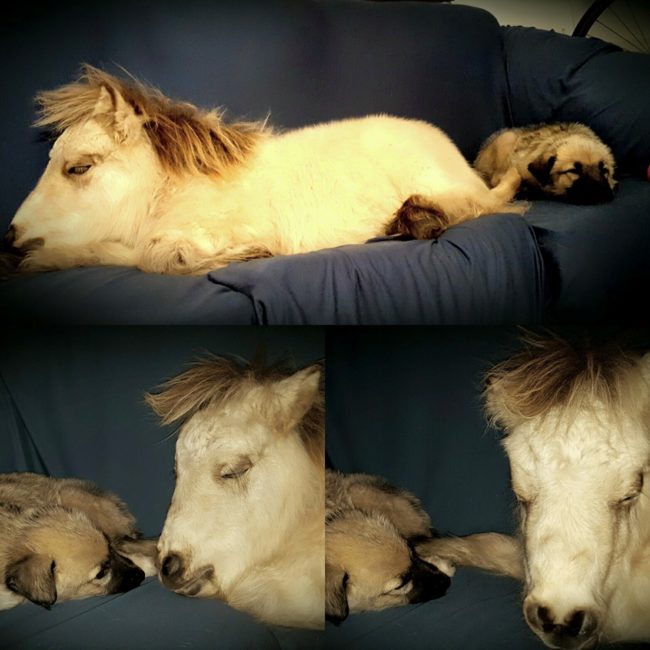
[
  {"x": 248, "y": 505},
  {"x": 581, "y": 471},
  {"x": 303, "y": 190}
]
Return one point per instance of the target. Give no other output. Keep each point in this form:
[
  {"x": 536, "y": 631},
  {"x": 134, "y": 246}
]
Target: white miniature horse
[
  {"x": 577, "y": 428},
  {"x": 247, "y": 519},
  {"x": 136, "y": 179}
]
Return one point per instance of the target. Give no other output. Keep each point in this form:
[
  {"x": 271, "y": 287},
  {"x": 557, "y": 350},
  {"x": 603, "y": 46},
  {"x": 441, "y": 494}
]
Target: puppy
[
  {"x": 565, "y": 161},
  {"x": 64, "y": 539},
  {"x": 371, "y": 527}
]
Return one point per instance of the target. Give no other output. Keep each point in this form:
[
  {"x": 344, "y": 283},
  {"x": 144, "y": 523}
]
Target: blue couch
[
  {"x": 71, "y": 404},
  {"x": 306, "y": 62}
]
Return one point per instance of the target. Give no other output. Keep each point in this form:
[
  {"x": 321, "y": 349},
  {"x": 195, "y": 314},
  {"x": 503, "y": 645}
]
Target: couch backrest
[
  {"x": 555, "y": 78},
  {"x": 302, "y": 61}
]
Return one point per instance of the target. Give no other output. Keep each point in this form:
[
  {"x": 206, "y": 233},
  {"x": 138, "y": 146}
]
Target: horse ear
[
  {"x": 298, "y": 392},
  {"x": 119, "y": 114},
  {"x": 336, "y": 597},
  {"x": 32, "y": 577}
]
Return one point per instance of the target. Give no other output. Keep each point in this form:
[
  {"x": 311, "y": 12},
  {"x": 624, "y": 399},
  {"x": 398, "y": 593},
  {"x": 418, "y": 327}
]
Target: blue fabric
[
  {"x": 121, "y": 296},
  {"x": 599, "y": 255},
  {"x": 557, "y": 78},
  {"x": 485, "y": 271}
]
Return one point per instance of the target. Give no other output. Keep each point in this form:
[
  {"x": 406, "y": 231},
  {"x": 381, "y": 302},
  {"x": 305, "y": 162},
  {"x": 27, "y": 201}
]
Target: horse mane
[
  {"x": 185, "y": 138},
  {"x": 215, "y": 380},
  {"x": 551, "y": 374}
]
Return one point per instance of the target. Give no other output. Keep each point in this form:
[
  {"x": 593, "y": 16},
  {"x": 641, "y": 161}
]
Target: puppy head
[
  {"x": 370, "y": 566},
  {"x": 63, "y": 557},
  {"x": 579, "y": 170}
]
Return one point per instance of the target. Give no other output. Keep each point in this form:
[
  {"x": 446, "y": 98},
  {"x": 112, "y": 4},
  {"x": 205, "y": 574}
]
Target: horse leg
[
  {"x": 492, "y": 552},
  {"x": 423, "y": 217},
  {"x": 47, "y": 258},
  {"x": 177, "y": 256}
]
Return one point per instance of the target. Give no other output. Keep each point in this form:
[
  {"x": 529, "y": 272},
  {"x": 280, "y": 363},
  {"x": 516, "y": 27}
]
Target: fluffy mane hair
[
  {"x": 185, "y": 138},
  {"x": 553, "y": 374},
  {"x": 215, "y": 380}
]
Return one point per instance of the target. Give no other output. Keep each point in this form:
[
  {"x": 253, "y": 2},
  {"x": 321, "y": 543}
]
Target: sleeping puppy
[
  {"x": 64, "y": 539},
  {"x": 565, "y": 161},
  {"x": 371, "y": 527}
]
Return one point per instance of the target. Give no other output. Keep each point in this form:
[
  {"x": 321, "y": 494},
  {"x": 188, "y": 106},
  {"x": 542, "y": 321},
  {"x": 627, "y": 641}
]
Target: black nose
[
  {"x": 172, "y": 566},
  {"x": 428, "y": 581},
  {"x": 579, "y": 623}
]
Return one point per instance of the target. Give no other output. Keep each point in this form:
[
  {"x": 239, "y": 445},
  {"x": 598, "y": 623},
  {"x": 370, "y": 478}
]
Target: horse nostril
[{"x": 171, "y": 566}]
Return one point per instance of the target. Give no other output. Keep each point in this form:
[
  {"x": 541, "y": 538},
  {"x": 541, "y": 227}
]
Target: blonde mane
[
  {"x": 185, "y": 138},
  {"x": 215, "y": 380},
  {"x": 551, "y": 373}
]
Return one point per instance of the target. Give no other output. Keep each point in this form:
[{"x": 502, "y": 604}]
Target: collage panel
[
  {"x": 510, "y": 461},
  {"x": 208, "y": 442}
]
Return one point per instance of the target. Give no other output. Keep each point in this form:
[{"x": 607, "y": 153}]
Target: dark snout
[
  {"x": 173, "y": 574},
  {"x": 428, "y": 581},
  {"x": 575, "y": 630},
  {"x": 124, "y": 575},
  {"x": 589, "y": 190}
]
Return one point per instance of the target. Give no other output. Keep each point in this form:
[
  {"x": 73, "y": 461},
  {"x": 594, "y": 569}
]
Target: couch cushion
[
  {"x": 118, "y": 295},
  {"x": 484, "y": 271},
  {"x": 147, "y": 617},
  {"x": 598, "y": 255}
]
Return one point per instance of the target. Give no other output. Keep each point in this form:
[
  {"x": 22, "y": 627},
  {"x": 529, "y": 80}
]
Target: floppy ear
[
  {"x": 33, "y": 578},
  {"x": 336, "y": 597},
  {"x": 400, "y": 507},
  {"x": 541, "y": 169},
  {"x": 118, "y": 113}
]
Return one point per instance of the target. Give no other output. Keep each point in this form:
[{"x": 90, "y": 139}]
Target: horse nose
[
  {"x": 578, "y": 624},
  {"x": 172, "y": 566}
]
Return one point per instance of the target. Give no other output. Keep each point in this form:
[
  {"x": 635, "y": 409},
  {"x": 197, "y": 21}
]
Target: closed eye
[
  {"x": 103, "y": 571},
  {"x": 236, "y": 472},
  {"x": 78, "y": 170}
]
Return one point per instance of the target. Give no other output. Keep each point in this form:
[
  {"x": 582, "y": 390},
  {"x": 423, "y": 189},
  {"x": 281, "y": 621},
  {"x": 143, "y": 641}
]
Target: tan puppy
[
  {"x": 370, "y": 564},
  {"x": 64, "y": 539},
  {"x": 565, "y": 161}
]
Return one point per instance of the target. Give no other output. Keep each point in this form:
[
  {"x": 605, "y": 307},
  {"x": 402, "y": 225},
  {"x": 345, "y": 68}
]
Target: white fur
[
  {"x": 263, "y": 533},
  {"x": 583, "y": 550},
  {"x": 303, "y": 190}
]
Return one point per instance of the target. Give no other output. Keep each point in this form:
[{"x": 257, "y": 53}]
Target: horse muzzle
[
  {"x": 175, "y": 576},
  {"x": 576, "y": 630}
]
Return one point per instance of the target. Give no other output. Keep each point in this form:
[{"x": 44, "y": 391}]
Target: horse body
[{"x": 137, "y": 179}]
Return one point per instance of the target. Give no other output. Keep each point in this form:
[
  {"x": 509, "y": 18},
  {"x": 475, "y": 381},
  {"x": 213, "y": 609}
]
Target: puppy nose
[
  {"x": 579, "y": 622},
  {"x": 172, "y": 566}
]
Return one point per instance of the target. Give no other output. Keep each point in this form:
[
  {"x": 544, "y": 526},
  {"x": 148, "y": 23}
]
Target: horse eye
[
  {"x": 236, "y": 472},
  {"x": 78, "y": 170}
]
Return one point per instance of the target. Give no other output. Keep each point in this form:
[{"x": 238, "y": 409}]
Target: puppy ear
[
  {"x": 541, "y": 169},
  {"x": 336, "y": 597},
  {"x": 33, "y": 578}
]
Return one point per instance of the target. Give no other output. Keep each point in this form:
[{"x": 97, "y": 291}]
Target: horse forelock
[
  {"x": 217, "y": 380},
  {"x": 551, "y": 375},
  {"x": 186, "y": 139}
]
